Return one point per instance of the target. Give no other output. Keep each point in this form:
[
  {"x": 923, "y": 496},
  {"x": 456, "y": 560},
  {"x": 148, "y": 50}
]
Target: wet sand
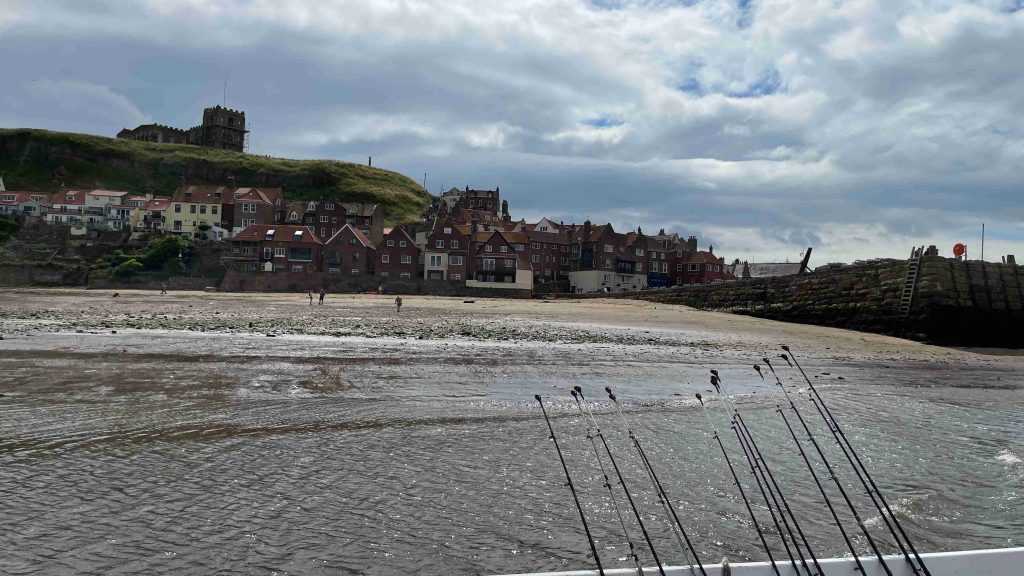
[
  {"x": 627, "y": 322},
  {"x": 171, "y": 434}
]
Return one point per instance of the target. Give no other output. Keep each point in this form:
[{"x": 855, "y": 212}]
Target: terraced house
[
  {"x": 195, "y": 210},
  {"x": 277, "y": 248},
  {"x": 25, "y": 204},
  {"x": 349, "y": 253},
  {"x": 397, "y": 255}
]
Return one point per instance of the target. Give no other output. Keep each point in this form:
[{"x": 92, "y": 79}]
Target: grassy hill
[{"x": 38, "y": 160}]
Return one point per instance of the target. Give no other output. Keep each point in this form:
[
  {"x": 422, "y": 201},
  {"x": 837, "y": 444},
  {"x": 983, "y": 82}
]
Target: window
[
  {"x": 355, "y": 271},
  {"x": 607, "y": 247},
  {"x": 297, "y": 268},
  {"x": 405, "y": 275},
  {"x": 384, "y": 274},
  {"x": 402, "y": 243},
  {"x": 692, "y": 267},
  {"x": 488, "y": 263},
  {"x": 192, "y": 208},
  {"x": 406, "y": 259},
  {"x": 439, "y": 244},
  {"x": 455, "y": 244},
  {"x": 355, "y": 256},
  {"x": 351, "y": 241},
  {"x": 385, "y": 259},
  {"x": 543, "y": 228},
  {"x": 447, "y": 230},
  {"x": 535, "y": 245},
  {"x": 455, "y": 260},
  {"x": 664, "y": 267},
  {"x": 329, "y": 206},
  {"x": 334, "y": 220},
  {"x": 324, "y": 219},
  {"x": 488, "y": 248},
  {"x": 456, "y": 276},
  {"x": 607, "y": 263},
  {"x": 202, "y": 209},
  {"x": 504, "y": 248},
  {"x": 510, "y": 263},
  {"x": 266, "y": 252},
  {"x": 679, "y": 267},
  {"x": 391, "y": 242},
  {"x": 177, "y": 208},
  {"x": 639, "y": 267},
  {"x": 640, "y": 252},
  {"x": 535, "y": 258},
  {"x": 279, "y": 252},
  {"x": 435, "y": 261},
  {"x": 520, "y": 247}
]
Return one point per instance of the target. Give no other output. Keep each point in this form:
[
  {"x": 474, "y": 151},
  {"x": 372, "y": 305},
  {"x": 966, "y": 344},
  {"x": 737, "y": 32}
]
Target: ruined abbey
[{"x": 221, "y": 128}]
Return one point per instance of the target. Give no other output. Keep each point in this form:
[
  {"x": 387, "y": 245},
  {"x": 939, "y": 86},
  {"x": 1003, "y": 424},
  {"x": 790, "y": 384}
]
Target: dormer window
[
  {"x": 270, "y": 234},
  {"x": 297, "y": 236},
  {"x": 311, "y": 207},
  {"x": 447, "y": 230}
]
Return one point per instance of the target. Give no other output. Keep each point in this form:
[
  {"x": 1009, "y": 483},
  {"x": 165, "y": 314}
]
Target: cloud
[{"x": 861, "y": 127}]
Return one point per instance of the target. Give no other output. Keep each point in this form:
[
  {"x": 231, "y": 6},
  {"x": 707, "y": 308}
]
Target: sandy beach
[{"x": 626, "y": 322}]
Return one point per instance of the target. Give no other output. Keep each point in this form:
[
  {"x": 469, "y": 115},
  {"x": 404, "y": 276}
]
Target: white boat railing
[{"x": 997, "y": 562}]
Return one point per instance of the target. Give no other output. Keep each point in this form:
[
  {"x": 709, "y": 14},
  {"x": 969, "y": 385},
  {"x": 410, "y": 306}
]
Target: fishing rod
[
  {"x": 608, "y": 485},
  {"x": 831, "y": 471},
  {"x": 754, "y": 470},
  {"x": 862, "y": 472},
  {"x": 677, "y": 529},
  {"x": 629, "y": 497},
  {"x": 810, "y": 468},
  {"x": 778, "y": 490},
  {"x": 583, "y": 518},
  {"x": 736, "y": 479}
]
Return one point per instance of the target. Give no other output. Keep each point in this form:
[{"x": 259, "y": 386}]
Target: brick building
[
  {"x": 349, "y": 253},
  {"x": 277, "y": 248},
  {"x": 397, "y": 255},
  {"x": 446, "y": 251}
]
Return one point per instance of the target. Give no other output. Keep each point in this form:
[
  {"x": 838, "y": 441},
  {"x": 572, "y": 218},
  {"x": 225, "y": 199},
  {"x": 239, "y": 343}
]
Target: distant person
[
  {"x": 163, "y": 288},
  {"x": 310, "y": 294},
  {"x": 380, "y": 289},
  {"x": 322, "y": 294},
  {"x": 398, "y": 304}
]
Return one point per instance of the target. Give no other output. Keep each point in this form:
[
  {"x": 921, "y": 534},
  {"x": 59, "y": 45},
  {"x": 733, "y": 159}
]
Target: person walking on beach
[
  {"x": 163, "y": 288},
  {"x": 398, "y": 304},
  {"x": 322, "y": 294},
  {"x": 310, "y": 294}
]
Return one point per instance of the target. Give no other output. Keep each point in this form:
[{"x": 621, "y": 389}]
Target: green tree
[
  {"x": 164, "y": 250},
  {"x": 7, "y": 229}
]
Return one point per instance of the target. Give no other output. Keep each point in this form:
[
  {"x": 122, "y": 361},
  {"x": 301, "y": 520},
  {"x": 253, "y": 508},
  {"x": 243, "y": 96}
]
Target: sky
[{"x": 861, "y": 128}]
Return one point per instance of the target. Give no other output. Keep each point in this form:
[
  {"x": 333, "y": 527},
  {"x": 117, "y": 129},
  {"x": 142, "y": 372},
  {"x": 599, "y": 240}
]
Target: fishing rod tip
[
  {"x": 766, "y": 361},
  {"x": 715, "y": 372},
  {"x": 578, "y": 389},
  {"x": 536, "y": 397},
  {"x": 573, "y": 392},
  {"x": 786, "y": 348},
  {"x": 757, "y": 368},
  {"x": 608, "y": 389}
]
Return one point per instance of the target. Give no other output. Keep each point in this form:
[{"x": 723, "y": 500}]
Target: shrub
[{"x": 127, "y": 268}]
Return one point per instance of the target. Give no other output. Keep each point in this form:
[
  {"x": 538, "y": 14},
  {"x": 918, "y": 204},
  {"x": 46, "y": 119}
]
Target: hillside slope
[{"x": 38, "y": 160}]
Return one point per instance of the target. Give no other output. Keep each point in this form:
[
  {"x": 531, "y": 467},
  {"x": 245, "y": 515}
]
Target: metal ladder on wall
[{"x": 910, "y": 282}]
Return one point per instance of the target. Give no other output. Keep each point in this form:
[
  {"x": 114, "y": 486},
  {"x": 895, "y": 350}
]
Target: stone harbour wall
[{"x": 956, "y": 302}]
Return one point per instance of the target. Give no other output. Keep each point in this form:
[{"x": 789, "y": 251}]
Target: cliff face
[
  {"x": 39, "y": 160},
  {"x": 958, "y": 303}
]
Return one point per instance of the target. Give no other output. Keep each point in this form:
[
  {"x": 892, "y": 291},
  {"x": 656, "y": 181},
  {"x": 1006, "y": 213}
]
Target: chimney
[
  {"x": 586, "y": 231},
  {"x": 711, "y": 248},
  {"x": 691, "y": 243}
]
